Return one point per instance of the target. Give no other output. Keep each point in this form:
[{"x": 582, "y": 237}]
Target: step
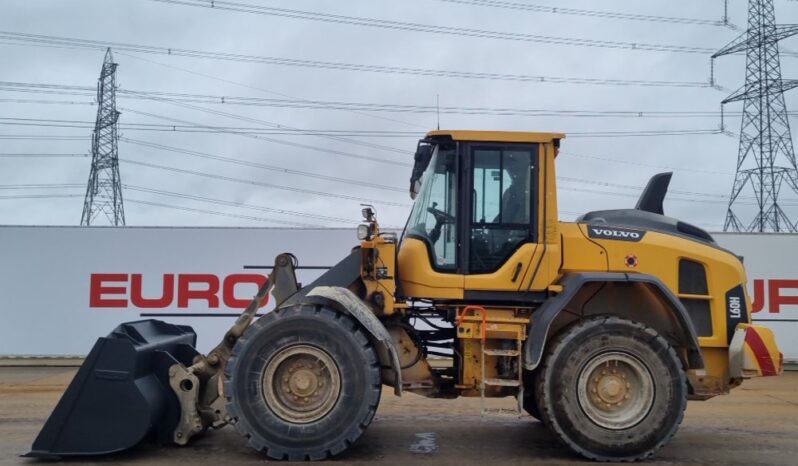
[
  {"x": 502, "y": 352},
  {"x": 503, "y": 382}
]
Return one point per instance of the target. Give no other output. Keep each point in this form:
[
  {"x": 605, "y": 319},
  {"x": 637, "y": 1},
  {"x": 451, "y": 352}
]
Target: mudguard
[
  {"x": 121, "y": 394},
  {"x": 345, "y": 301},
  {"x": 542, "y": 319}
]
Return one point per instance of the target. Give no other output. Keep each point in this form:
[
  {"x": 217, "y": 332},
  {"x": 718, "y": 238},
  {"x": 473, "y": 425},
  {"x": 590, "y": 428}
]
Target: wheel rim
[
  {"x": 301, "y": 384},
  {"x": 615, "y": 390}
]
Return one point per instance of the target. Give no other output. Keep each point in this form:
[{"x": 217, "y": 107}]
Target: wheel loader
[{"x": 601, "y": 328}]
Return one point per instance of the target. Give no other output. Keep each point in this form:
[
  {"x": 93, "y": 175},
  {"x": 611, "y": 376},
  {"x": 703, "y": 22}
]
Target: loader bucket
[{"x": 121, "y": 394}]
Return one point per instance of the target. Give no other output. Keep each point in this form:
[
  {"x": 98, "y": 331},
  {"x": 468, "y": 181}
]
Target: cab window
[
  {"x": 434, "y": 215},
  {"x": 502, "y": 204}
]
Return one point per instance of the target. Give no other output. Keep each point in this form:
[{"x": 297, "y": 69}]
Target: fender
[
  {"x": 542, "y": 319},
  {"x": 347, "y": 302}
]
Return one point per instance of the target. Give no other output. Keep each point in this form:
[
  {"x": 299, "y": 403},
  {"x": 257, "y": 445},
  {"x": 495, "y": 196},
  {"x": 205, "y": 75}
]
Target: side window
[
  {"x": 502, "y": 204},
  {"x": 434, "y": 215}
]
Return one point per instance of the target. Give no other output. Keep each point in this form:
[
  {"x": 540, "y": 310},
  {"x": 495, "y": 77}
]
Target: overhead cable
[{"x": 54, "y": 41}]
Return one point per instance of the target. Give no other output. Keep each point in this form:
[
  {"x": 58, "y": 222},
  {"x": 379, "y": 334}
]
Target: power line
[
  {"x": 432, "y": 29},
  {"x": 137, "y": 126},
  {"x": 160, "y": 192},
  {"x": 43, "y": 137},
  {"x": 589, "y": 13},
  {"x": 633, "y": 187},
  {"x": 205, "y": 211},
  {"x": 238, "y": 204},
  {"x": 53, "y": 41},
  {"x": 42, "y": 186},
  {"x": 615, "y": 134},
  {"x": 640, "y": 189},
  {"x": 641, "y": 164},
  {"x": 40, "y": 196},
  {"x": 46, "y": 102},
  {"x": 560, "y": 178},
  {"x": 39, "y": 155},
  {"x": 425, "y": 109},
  {"x": 257, "y": 88},
  {"x": 176, "y": 97},
  {"x": 274, "y": 168},
  {"x": 278, "y": 141},
  {"x": 669, "y": 198},
  {"x": 353, "y": 106},
  {"x": 270, "y": 124},
  {"x": 258, "y": 133},
  {"x": 265, "y": 185},
  {"x": 419, "y": 109},
  {"x": 212, "y": 201},
  {"x": 11, "y": 85}
]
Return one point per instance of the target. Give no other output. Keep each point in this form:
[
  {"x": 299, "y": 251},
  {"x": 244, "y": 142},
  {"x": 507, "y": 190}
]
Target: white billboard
[
  {"x": 62, "y": 287},
  {"x": 771, "y": 262}
]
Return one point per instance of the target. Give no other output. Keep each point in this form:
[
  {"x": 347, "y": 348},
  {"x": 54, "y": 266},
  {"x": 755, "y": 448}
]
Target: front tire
[
  {"x": 303, "y": 383},
  {"x": 611, "y": 389},
  {"x": 530, "y": 401}
]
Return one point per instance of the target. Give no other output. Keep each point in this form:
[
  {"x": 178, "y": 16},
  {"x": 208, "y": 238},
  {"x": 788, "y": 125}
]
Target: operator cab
[{"x": 477, "y": 204}]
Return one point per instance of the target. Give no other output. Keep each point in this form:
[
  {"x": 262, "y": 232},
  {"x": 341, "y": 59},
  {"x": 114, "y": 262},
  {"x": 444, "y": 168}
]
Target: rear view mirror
[{"x": 422, "y": 158}]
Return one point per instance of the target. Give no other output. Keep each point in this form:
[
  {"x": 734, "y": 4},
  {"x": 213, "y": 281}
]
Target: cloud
[{"x": 157, "y": 24}]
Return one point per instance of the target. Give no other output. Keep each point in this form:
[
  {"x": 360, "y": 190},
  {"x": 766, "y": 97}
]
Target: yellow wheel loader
[{"x": 601, "y": 328}]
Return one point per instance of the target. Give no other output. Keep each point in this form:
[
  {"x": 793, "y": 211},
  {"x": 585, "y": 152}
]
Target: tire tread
[
  {"x": 262, "y": 445},
  {"x": 564, "y": 338}
]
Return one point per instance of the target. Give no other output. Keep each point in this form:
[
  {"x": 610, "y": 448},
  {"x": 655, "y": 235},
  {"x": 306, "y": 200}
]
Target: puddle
[{"x": 426, "y": 443}]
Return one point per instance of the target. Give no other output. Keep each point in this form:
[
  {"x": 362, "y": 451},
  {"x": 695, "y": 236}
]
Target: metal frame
[
  {"x": 104, "y": 188},
  {"x": 765, "y": 159}
]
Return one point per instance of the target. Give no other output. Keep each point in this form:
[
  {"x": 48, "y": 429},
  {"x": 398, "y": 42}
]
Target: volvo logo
[{"x": 622, "y": 234}]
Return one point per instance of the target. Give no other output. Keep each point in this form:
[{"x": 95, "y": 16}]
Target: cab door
[
  {"x": 500, "y": 248},
  {"x": 429, "y": 253}
]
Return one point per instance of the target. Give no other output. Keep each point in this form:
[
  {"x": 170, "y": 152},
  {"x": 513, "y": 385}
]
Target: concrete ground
[{"x": 756, "y": 424}]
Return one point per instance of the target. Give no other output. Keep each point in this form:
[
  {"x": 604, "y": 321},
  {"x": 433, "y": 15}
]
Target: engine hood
[{"x": 634, "y": 218}]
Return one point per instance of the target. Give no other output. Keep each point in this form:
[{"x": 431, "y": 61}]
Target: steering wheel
[{"x": 441, "y": 217}]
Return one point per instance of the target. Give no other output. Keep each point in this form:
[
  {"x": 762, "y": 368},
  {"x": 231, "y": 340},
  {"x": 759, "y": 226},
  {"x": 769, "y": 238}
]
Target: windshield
[{"x": 434, "y": 214}]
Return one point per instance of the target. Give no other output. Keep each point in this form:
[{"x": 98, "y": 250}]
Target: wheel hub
[
  {"x": 301, "y": 384},
  {"x": 615, "y": 390},
  {"x": 610, "y": 390}
]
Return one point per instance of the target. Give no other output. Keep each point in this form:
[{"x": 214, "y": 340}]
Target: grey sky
[{"x": 709, "y": 158}]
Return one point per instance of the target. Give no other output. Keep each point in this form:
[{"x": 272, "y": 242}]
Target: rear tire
[
  {"x": 303, "y": 383},
  {"x": 611, "y": 389}
]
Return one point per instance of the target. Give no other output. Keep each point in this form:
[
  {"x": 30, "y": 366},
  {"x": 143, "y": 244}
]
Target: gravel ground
[{"x": 756, "y": 424}]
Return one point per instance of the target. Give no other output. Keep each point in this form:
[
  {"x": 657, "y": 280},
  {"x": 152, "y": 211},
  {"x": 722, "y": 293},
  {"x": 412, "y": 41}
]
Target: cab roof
[{"x": 497, "y": 136}]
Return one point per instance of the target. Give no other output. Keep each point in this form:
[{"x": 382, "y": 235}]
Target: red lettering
[
  {"x": 775, "y": 299},
  {"x": 97, "y": 290},
  {"x": 759, "y": 295},
  {"x": 228, "y": 289},
  {"x": 205, "y": 287},
  {"x": 185, "y": 293},
  {"x": 167, "y": 294}
]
